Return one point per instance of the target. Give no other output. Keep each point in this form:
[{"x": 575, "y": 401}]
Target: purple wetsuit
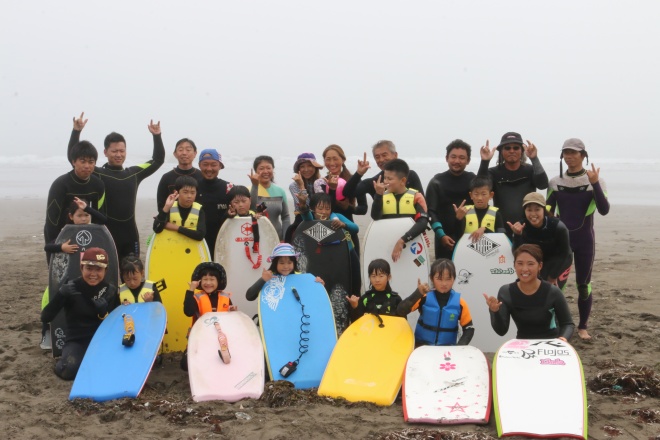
[{"x": 576, "y": 201}]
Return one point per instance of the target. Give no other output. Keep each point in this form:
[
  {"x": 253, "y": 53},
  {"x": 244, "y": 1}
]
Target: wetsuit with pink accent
[{"x": 575, "y": 200}]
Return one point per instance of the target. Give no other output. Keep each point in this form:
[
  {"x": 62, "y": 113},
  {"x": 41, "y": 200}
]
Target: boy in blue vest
[
  {"x": 479, "y": 218},
  {"x": 393, "y": 199},
  {"x": 181, "y": 213},
  {"x": 441, "y": 310}
]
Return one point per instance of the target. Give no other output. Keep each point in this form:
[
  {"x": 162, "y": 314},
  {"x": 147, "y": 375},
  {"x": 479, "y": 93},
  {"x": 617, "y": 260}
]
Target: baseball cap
[
  {"x": 574, "y": 144},
  {"x": 283, "y": 250},
  {"x": 306, "y": 157},
  {"x": 95, "y": 257},
  {"x": 211, "y": 154},
  {"x": 510, "y": 138},
  {"x": 534, "y": 197}
]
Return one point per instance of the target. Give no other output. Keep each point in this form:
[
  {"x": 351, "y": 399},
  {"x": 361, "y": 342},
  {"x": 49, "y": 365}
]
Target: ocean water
[{"x": 629, "y": 181}]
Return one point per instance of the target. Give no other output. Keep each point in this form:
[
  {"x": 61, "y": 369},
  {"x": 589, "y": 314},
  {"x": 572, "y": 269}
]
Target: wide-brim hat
[
  {"x": 306, "y": 157},
  {"x": 95, "y": 257},
  {"x": 510, "y": 138},
  {"x": 534, "y": 197},
  {"x": 283, "y": 250}
]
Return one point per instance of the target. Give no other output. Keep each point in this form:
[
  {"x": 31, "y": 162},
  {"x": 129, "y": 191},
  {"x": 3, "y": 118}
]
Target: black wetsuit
[
  {"x": 97, "y": 218},
  {"x": 383, "y": 302},
  {"x": 196, "y": 234},
  {"x": 511, "y": 187},
  {"x": 121, "y": 185},
  {"x": 166, "y": 184},
  {"x": 85, "y": 308},
  {"x": 553, "y": 239},
  {"x": 212, "y": 195},
  {"x": 443, "y": 192},
  {"x": 60, "y": 196}
]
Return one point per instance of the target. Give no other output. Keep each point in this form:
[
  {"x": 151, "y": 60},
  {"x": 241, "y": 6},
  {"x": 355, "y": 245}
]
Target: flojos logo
[
  {"x": 84, "y": 238},
  {"x": 416, "y": 248}
]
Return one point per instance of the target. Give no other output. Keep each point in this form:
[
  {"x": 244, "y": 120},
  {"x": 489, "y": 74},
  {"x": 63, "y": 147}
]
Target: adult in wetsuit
[
  {"x": 445, "y": 190},
  {"x": 122, "y": 184},
  {"x": 576, "y": 196},
  {"x": 512, "y": 177},
  {"x": 79, "y": 182},
  {"x": 383, "y": 151},
  {"x": 212, "y": 194},
  {"x": 184, "y": 152}
]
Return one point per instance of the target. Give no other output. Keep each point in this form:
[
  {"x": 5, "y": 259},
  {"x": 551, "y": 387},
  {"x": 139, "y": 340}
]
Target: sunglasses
[{"x": 511, "y": 147}]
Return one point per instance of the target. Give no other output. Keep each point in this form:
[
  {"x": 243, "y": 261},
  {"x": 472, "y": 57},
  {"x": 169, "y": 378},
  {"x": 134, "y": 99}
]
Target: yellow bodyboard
[
  {"x": 369, "y": 360},
  {"x": 173, "y": 257}
]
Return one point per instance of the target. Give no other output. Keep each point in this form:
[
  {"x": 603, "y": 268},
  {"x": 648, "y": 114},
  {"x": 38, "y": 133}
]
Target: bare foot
[{"x": 583, "y": 334}]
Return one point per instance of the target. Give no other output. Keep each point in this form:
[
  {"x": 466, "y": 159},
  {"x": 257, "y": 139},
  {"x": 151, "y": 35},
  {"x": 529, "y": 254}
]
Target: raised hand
[
  {"x": 81, "y": 203},
  {"x": 423, "y": 287},
  {"x": 254, "y": 177},
  {"x": 79, "y": 123},
  {"x": 486, "y": 152},
  {"x": 170, "y": 201},
  {"x": 299, "y": 180},
  {"x": 193, "y": 285},
  {"x": 154, "y": 128},
  {"x": 379, "y": 186},
  {"x": 517, "y": 228},
  {"x": 460, "y": 210},
  {"x": 332, "y": 181},
  {"x": 353, "y": 300},
  {"x": 266, "y": 275},
  {"x": 593, "y": 174},
  {"x": 530, "y": 150},
  {"x": 493, "y": 303},
  {"x": 363, "y": 165}
]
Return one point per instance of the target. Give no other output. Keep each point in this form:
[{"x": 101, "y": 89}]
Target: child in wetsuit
[
  {"x": 379, "y": 299},
  {"x": 135, "y": 288},
  {"x": 206, "y": 294},
  {"x": 441, "y": 310},
  {"x": 479, "y": 218},
  {"x": 181, "y": 213}
]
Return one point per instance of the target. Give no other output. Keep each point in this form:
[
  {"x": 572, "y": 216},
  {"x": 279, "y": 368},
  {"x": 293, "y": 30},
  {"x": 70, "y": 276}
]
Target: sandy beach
[{"x": 625, "y": 324}]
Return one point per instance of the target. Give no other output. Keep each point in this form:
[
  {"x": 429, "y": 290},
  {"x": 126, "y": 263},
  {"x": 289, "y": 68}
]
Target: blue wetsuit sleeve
[
  {"x": 307, "y": 215},
  {"x": 350, "y": 226}
]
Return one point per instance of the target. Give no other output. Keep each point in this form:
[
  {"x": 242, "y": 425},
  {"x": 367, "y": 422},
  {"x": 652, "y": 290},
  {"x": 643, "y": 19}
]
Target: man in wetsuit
[
  {"x": 122, "y": 183},
  {"x": 212, "y": 194},
  {"x": 185, "y": 151},
  {"x": 575, "y": 197},
  {"x": 512, "y": 178},
  {"x": 445, "y": 190},
  {"x": 383, "y": 152},
  {"x": 79, "y": 182}
]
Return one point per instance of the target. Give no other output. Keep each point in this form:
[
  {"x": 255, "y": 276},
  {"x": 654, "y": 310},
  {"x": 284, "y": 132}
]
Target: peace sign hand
[
  {"x": 460, "y": 211},
  {"x": 486, "y": 152},
  {"x": 154, "y": 128},
  {"x": 363, "y": 165},
  {"x": 493, "y": 303},
  {"x": 379, "y": 186},
  {"x": 593, "y": 174},
  {"x": 79, "y": 123}
]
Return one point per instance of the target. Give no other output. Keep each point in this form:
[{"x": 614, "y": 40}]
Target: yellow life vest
[
  {"x": 191, "y": 221},
  {"x": 126, "y": 296},
  {"x": 472, "y": 222},
  {"x": 405, "y": 207}
]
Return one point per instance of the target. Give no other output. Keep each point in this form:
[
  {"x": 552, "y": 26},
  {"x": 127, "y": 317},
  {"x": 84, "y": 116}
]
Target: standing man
[
  {"x": 184, "y": 152},
  {"x": 383, "y": 152},
  {"x": 512, "y": 178},
  {"x": 575, "y": 197},
  {"x": 122, "y": 184},
  {"x": 212, "y": 194},
  {"x": 445, "y": 190}
]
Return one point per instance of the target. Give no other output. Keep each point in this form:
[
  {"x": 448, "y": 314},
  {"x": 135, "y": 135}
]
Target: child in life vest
[
  {"x": 379, "y": 299},
  {"x": 441, "y": 310},
  {"x": 480, "y": 218},
  {"x": 181, "y": 213},
  {"x": 283, "y": 262},
  {"x": 78, "y": 213},
  {"x": 135, "y": 288},
  {"x": 206, "y": 294}
]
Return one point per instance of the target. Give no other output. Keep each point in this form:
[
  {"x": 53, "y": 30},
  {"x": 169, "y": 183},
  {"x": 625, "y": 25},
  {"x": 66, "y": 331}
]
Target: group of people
[{"x": 548, "y": 234}]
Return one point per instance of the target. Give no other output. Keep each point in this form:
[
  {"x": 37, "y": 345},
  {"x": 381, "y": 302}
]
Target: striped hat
[{"x": 283, "y": 250}]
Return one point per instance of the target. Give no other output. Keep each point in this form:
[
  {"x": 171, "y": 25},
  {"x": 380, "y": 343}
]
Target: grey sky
[{"x": 285, "y": 77}]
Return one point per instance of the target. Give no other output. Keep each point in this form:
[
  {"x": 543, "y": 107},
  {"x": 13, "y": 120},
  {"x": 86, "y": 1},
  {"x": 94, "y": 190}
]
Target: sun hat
[
  {"x": 534, "y": 197},
  {"x": 220, "y": 273},
  {"x": 510, "y": 138},
  {"x": 95, "y": 257},
  {"x": 283, "y": 250},
  {"x": 573, "y": 144},
  {"x": 306, "y": 157},
  {"x": 211, "y": 154}
]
